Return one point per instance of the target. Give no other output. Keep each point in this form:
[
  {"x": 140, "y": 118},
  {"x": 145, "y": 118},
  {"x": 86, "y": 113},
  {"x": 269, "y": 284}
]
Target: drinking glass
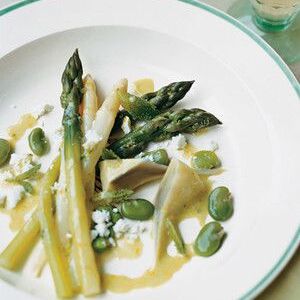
[
  {"x": 276, "y": 21},
  {"x": 274, "y": 15}
]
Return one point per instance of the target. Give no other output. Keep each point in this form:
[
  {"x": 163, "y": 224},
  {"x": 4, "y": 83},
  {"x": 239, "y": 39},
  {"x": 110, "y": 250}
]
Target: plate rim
[{"x": 295, "y": 241}]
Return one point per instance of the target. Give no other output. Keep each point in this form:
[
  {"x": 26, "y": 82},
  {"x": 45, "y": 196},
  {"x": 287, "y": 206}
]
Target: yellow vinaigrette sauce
[
  {"x": 17, "y": 214},
  {"x": 167, "y": 266},
  {"x": 128, "y": 250},
  {"x": 16, "y": 131},
  {"x": 143, "y": 86},
  {"x": 151, "y": 278}
]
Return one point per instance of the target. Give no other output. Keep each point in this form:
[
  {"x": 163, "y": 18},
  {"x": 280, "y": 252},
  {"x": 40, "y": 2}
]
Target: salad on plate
[{"x": 88, "y": 207}]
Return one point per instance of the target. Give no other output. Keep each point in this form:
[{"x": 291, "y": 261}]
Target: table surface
[{"x": 287, "y": 285}]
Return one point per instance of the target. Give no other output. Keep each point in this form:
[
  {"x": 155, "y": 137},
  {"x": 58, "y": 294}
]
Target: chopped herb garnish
[{"x": 175, "y": 235}]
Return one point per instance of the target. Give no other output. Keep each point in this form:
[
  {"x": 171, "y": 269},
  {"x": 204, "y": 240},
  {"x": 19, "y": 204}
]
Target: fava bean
[
  {"x": 100, "y": 244},
  {"x": 138, "y": 209},
  {"x": 38, "y": 142},
  {"x": 209, "y": 239},
  {"x": 115, "y": 217},
  {"x": 220, "y": 204},
  {"x": 205, "y": 160},
  {"x": 159, "y": 156}
]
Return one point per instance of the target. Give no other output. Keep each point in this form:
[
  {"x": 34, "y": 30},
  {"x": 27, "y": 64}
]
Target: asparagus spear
[
  {"x": 162, "y": 127},
  {"x": 53, "y": 248},
  {"x": 85, "y": 262},
  {"x": 19, "y": 248},
  {"x": 61, "y": 205},
  {"x": 90, "y": 103},
  {"x": 169, "y": 95},
  {"x": 159, "y": 101},
  {"x": 102, "y": 126},
  {"x": 138, "y": 108}
]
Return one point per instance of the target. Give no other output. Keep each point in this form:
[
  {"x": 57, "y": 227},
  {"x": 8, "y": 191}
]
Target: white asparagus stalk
[
  {"x": 90, "y": 103},
  {"x": 62, "y": 213},
  {"x": 103, "y": 124},
  {"x": 53, "y": 248},
  {"x": 19, "y": 248}
]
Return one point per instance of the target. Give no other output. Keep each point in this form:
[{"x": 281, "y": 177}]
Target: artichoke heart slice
[
  {"x": 128, "y": 173},
  {"x": 179, "y": 189}
]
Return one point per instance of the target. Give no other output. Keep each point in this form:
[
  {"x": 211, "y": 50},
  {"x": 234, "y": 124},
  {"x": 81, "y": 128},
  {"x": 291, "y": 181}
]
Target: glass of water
[{"x": 274, "y": 15}]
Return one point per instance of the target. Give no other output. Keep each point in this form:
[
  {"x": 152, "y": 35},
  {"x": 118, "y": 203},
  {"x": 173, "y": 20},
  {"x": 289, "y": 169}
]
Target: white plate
[{"x": 238, "y": 77}]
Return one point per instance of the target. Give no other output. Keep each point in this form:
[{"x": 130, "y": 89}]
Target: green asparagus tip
[{"x": 71, "y": 79}]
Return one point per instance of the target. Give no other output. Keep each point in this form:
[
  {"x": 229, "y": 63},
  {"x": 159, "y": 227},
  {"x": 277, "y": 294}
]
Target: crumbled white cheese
[
  {"x": 43, "y": 110},
  {"x": 101, "y": 216},
  {"x": 129, "y": 229},
  {"x": 14, "y": 195},
  {"x": 103, "y": 229},
  {"x": 126, "y": 125},
  {"x": 5, "y": 175},
  {"x": 178, "y": 142},
  {"x": 21, "y": 163},
  {"x": 115, "y": 210},
  {"x": 91, "y": 139},
  {"x": 103, "y": 224}
]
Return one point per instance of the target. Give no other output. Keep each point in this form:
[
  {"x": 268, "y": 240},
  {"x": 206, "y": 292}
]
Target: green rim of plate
[
  {"x": 288, "y": 253},
  {"x": 10, "y": 8}
]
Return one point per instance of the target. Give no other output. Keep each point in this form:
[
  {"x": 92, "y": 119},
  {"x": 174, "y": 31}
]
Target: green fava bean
[
  {"x": 115, "y": 217},
  {"x": 220, "y": 204},
  {"x": 205, "y": 160},
  {"x": 138, "y": 209},
  {"x": 38, "y": 142},
  {"x": 158, "y": 156},
  {"x": 100, "y": 244},
  {"x": 209, "y": 239},
  {"x": 4, "y": 151}
]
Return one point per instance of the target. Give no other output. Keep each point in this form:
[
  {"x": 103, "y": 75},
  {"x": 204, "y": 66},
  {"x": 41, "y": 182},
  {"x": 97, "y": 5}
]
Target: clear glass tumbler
[{"x": 274, "y": 15}]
